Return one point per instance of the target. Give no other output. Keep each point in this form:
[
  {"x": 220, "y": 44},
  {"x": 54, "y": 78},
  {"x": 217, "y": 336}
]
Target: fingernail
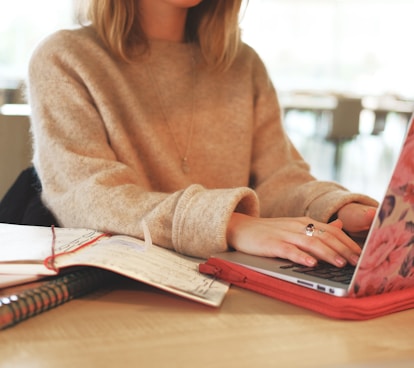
[
  {"x": 340, "y": 261},
  {"x": 311, "y": 261},
  {"x": 354, "y": 259}
]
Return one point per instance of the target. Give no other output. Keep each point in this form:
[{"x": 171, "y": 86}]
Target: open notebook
[{"x": 387, "y": 260}]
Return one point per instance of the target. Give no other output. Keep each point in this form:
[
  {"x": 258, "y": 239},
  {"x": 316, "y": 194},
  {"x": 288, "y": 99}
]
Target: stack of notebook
[{"x": 42, "y": 267}]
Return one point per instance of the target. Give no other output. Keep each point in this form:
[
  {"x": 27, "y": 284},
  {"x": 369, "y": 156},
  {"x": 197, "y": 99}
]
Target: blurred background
[{"x": 342, "y": 68}]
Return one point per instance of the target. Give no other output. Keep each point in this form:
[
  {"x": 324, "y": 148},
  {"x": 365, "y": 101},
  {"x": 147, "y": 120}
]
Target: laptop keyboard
[{"x": 325, "y": 271}]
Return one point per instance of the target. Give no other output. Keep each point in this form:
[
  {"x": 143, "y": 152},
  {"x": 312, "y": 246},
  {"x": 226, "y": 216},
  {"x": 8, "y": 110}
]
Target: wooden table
[{"x": 134, "y": 325}]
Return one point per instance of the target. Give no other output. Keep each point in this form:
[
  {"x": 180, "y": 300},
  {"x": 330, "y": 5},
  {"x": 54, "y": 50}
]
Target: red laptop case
[{"x": 347, "y": 308}]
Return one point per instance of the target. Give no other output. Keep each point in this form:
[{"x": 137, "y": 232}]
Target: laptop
[{"x": 387, "y": 259}]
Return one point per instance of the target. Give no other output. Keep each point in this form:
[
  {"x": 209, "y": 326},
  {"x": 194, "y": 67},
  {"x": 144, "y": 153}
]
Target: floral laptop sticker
[{"x": 388, "y": 260}]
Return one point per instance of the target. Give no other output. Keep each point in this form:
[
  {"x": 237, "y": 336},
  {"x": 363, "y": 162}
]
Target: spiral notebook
[
  {"x": 387, "y": 259},
  {"x": 26, "y": 300}
]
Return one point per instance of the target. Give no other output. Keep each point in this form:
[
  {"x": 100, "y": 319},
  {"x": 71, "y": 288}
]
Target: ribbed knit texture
[{"x": 106, "y": 158}]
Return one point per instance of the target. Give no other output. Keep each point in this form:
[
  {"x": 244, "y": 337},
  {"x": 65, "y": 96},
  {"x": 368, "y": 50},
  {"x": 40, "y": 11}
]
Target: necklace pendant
[{"x": 184, "y": 166}]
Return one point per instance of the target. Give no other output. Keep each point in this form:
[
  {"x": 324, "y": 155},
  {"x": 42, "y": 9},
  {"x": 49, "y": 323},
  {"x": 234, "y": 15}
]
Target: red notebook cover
[{"x": 347, "y": 308}]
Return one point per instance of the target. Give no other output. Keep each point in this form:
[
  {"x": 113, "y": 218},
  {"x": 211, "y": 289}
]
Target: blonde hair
[{"x": 213, "y": 24}]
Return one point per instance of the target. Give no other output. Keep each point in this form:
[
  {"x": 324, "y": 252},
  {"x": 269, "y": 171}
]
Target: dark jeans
[{"x": 22, "y": 203}]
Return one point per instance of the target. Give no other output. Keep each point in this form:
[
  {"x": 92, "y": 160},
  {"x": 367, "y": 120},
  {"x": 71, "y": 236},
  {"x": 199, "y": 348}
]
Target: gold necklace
[{"x": 185, "y": 167}]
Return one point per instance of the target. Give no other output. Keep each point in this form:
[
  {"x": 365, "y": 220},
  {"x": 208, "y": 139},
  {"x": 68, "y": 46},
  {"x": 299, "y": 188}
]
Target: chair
[
  {"x": 343, "y": 127},
  {"x": 15, "y": 148},
  {"x": 336, "y": 120}
]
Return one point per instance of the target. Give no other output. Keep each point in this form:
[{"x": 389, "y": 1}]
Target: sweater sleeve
[
  {"x": 86, "y": 185},
  {"x": 281, "y": 177}
]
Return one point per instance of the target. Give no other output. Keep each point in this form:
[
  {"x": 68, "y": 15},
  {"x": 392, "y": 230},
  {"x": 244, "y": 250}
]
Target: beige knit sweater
[{"x": 107, "y": 159}]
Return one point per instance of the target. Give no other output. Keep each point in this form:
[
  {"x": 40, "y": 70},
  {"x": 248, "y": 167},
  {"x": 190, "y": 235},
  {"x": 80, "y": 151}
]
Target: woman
[{"x": 158, "y": 111}]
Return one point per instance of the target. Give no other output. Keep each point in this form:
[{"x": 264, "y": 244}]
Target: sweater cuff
[
  {"x": 327, "y": 205},
  {"x": 202, "y": 216}
]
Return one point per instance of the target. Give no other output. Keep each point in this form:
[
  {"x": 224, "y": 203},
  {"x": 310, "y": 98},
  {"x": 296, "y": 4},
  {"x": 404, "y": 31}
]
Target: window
[
  {"x": 332, "y": 47},
  {"x": 358, "y": 46}
]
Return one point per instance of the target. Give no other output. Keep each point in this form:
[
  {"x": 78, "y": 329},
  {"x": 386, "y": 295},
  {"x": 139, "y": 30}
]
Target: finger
[
  {"x": 356, "y": 218},
  {"x": 304, "y": 249},
  {"x": 329, "y": 248},
  {"x": 290, "y": 251},
  {"x": 333, "y": 245},
  {"x": 330, "y": 244},
  {"x": 370, "y": 214},
  {"x": 337, "y": 223},
  {"x": 333, "y": 236}
]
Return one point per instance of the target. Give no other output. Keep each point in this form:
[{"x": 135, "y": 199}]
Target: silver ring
[{"x": 309, "y": 229}]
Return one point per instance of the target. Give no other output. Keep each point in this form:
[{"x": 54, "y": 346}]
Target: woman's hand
[
  {"x": 356, "y": 219},
  {"x": 286, "y": 238}
]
